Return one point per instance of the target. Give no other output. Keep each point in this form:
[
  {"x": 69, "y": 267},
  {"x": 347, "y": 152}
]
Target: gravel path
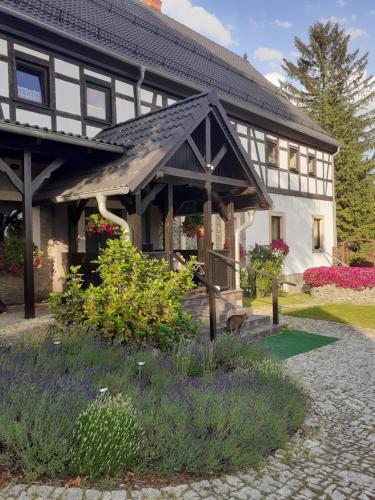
[{"x": 332, "y": 457}]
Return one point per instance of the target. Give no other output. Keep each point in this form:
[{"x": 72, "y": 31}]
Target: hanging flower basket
[
  {"x": 193, "y": 225},
  {"x": 11, "y": 256},
  {"x": 98, "y": 225}
]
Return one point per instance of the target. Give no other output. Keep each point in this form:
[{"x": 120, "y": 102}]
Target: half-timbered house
[{"x": 112, "y": 106}]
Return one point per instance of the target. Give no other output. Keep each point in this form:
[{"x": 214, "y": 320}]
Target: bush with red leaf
[{"x": 356, "y": 278}]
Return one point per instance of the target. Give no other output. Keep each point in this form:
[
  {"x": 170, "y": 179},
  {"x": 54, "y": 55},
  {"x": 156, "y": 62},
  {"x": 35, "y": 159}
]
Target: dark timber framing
[{"x": 51, "y": 150}]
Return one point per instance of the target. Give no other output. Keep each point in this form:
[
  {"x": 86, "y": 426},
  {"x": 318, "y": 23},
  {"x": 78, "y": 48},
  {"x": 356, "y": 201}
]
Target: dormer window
[
  {"x": 32, "y": 83},
  {"x": 293, "y": 159},
  {"x": 271, "y": 153}
]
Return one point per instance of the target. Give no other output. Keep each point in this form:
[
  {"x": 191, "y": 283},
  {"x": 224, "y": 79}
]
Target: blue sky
[{"x": 265, "y": 30}]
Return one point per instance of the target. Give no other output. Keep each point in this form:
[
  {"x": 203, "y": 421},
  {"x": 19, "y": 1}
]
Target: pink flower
[
  {"x": 356, "y": 278},
  {"x": 280, "y": 246}
]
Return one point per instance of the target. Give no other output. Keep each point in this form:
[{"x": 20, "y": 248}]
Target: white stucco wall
[{"x": 298, "y": 215}]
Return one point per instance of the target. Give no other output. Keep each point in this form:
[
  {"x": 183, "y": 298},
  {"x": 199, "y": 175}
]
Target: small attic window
[
  {"x": 98, "y": 102},
  {"x": 32, "y": 83},
  {"x": 293, "y": 158},
  {"x": 271, "y": 153}
]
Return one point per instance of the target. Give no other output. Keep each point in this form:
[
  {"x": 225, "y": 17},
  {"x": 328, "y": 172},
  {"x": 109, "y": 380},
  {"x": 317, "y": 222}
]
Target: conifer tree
[{"x": 331, "y": 84}]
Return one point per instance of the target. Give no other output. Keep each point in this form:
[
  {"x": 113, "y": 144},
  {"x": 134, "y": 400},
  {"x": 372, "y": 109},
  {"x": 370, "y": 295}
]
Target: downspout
[
  {"x": 102, "y": 206},
  {"x": 138, "y": 91},
  {"x": 237, "y": 233}
]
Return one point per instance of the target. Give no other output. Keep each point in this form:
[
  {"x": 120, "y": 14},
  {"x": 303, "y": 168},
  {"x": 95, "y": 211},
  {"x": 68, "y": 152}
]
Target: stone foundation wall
[{"x": 331, "y": 293}]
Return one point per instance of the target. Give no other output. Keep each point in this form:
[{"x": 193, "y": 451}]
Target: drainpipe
[
  {"x": 102, "y": 205},
  {"x": 237, "y": 233},
  {"x": 138, "y": 91}
]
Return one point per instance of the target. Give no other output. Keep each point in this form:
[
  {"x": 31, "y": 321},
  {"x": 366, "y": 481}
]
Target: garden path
[{"x": 332, "y": 457}]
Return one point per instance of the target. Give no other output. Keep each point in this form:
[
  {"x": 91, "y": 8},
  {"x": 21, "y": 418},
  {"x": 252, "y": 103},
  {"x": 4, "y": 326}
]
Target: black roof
[
  {"x": 149, "y": 142},
  {"x": 130, "y": 29},
  {"x": 25, "y": 129}
]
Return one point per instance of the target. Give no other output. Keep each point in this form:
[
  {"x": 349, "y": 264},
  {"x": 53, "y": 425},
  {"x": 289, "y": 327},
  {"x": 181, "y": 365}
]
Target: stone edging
[{"x": 331, "y": 294}]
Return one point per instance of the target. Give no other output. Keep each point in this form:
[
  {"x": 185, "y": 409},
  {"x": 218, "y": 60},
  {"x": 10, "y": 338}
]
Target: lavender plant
[
  {"x": 106, "y": 438},
  {"x": 193, "y": 411}
]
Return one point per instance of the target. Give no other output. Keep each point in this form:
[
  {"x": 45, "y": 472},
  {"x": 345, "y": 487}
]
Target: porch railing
[{"x": 237, "y": 266}]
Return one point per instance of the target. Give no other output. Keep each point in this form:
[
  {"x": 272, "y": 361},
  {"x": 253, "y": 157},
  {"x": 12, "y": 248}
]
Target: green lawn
[
  {"x": 302, "y": 305},
  {"x": 350, "y": 314},
  {"x": 284, "y": 300},
  {"x": 292, "y": 342}
]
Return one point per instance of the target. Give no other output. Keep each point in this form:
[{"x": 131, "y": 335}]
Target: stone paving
[
  {"x": 13, "y": 324},
  {"x": 332, "y": 457}
]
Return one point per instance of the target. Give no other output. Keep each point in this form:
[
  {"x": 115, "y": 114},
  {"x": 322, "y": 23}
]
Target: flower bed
[
  {"x": 76, "y": 406},
  {"x": 356, "y": 278}
]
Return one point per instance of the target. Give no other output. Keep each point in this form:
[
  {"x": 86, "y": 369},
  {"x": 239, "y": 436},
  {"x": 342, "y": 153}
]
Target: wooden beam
[
  {"x": 223, "y": 151},
  {"x": 221, "y": 205},
  {"x": 46, "y": 173},
  {"x": 151, "y": 196},
  {"x": 28, "y": 258},
  {"x": 136, "y": 222},
  {"x": 208, "y": 140},
  {"x": 207, "y": 213},
  {"x": 197, "y": 176},
  {"x": 12, "y": 176},
  {"x": 230, "y": 238},
  {"x": 197, "y": 153},
  {"x": 168, "y": 225},
  {"x": 75, "y": 211}
]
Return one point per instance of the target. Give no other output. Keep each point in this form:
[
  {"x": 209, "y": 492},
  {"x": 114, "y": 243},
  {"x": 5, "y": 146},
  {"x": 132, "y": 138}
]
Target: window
[
  {"x": 293, "y": 158},
  {"x": 317, "y": 233},
  {"x": 312, "y": 165},
  {"x": 271, "y": 153},
  {"x": 98, "y": 102},
  {"x": 276, "y": 225},
  {"x": 32, "y": 83}
]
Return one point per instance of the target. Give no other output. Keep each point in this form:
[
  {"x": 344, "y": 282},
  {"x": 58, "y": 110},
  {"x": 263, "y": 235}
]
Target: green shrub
[
  {"x": 197, "y": 409},
  {"x": 264, "y": 258},
  {"x": 67, "y": 307},
  {"x": 138, "y": 301},
  {"x": 107, "y": 438}
]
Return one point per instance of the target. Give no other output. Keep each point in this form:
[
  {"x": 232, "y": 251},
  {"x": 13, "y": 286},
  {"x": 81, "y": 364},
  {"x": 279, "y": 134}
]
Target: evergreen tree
[{"x": 331, "y": 84}]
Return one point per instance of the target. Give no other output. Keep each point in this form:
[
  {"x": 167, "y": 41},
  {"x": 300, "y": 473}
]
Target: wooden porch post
[
  {"x": 207, "y": 212},
  {"x": 168, "y": 225},
  {"x": 230, "y": 238},
  {"x": 136, "y": 222},
  {"x": 28, "y": 258}
]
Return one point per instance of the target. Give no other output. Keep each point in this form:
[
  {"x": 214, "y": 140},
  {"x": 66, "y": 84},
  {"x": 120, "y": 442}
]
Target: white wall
[{"x": 298, "y": 214}]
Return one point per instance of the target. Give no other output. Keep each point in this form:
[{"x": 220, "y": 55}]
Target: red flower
[
  {"x": 356, "y": 278},
  {"x": 280, "y": 246}
]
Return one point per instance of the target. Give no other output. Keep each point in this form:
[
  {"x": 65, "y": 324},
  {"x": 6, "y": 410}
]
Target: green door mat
[{"x": 292, "y": 342}]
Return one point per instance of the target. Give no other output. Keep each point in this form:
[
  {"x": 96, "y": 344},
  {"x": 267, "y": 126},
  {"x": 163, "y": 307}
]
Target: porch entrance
[{"x": 179, "y": 161}]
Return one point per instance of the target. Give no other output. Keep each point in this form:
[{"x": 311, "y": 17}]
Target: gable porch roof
[{"x": 150, "y": 141}]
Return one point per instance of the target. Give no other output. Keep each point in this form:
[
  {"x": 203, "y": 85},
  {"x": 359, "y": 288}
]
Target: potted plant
[
  {"x": 193, "y": 225},
  {"x": 96, "y": 224}
]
